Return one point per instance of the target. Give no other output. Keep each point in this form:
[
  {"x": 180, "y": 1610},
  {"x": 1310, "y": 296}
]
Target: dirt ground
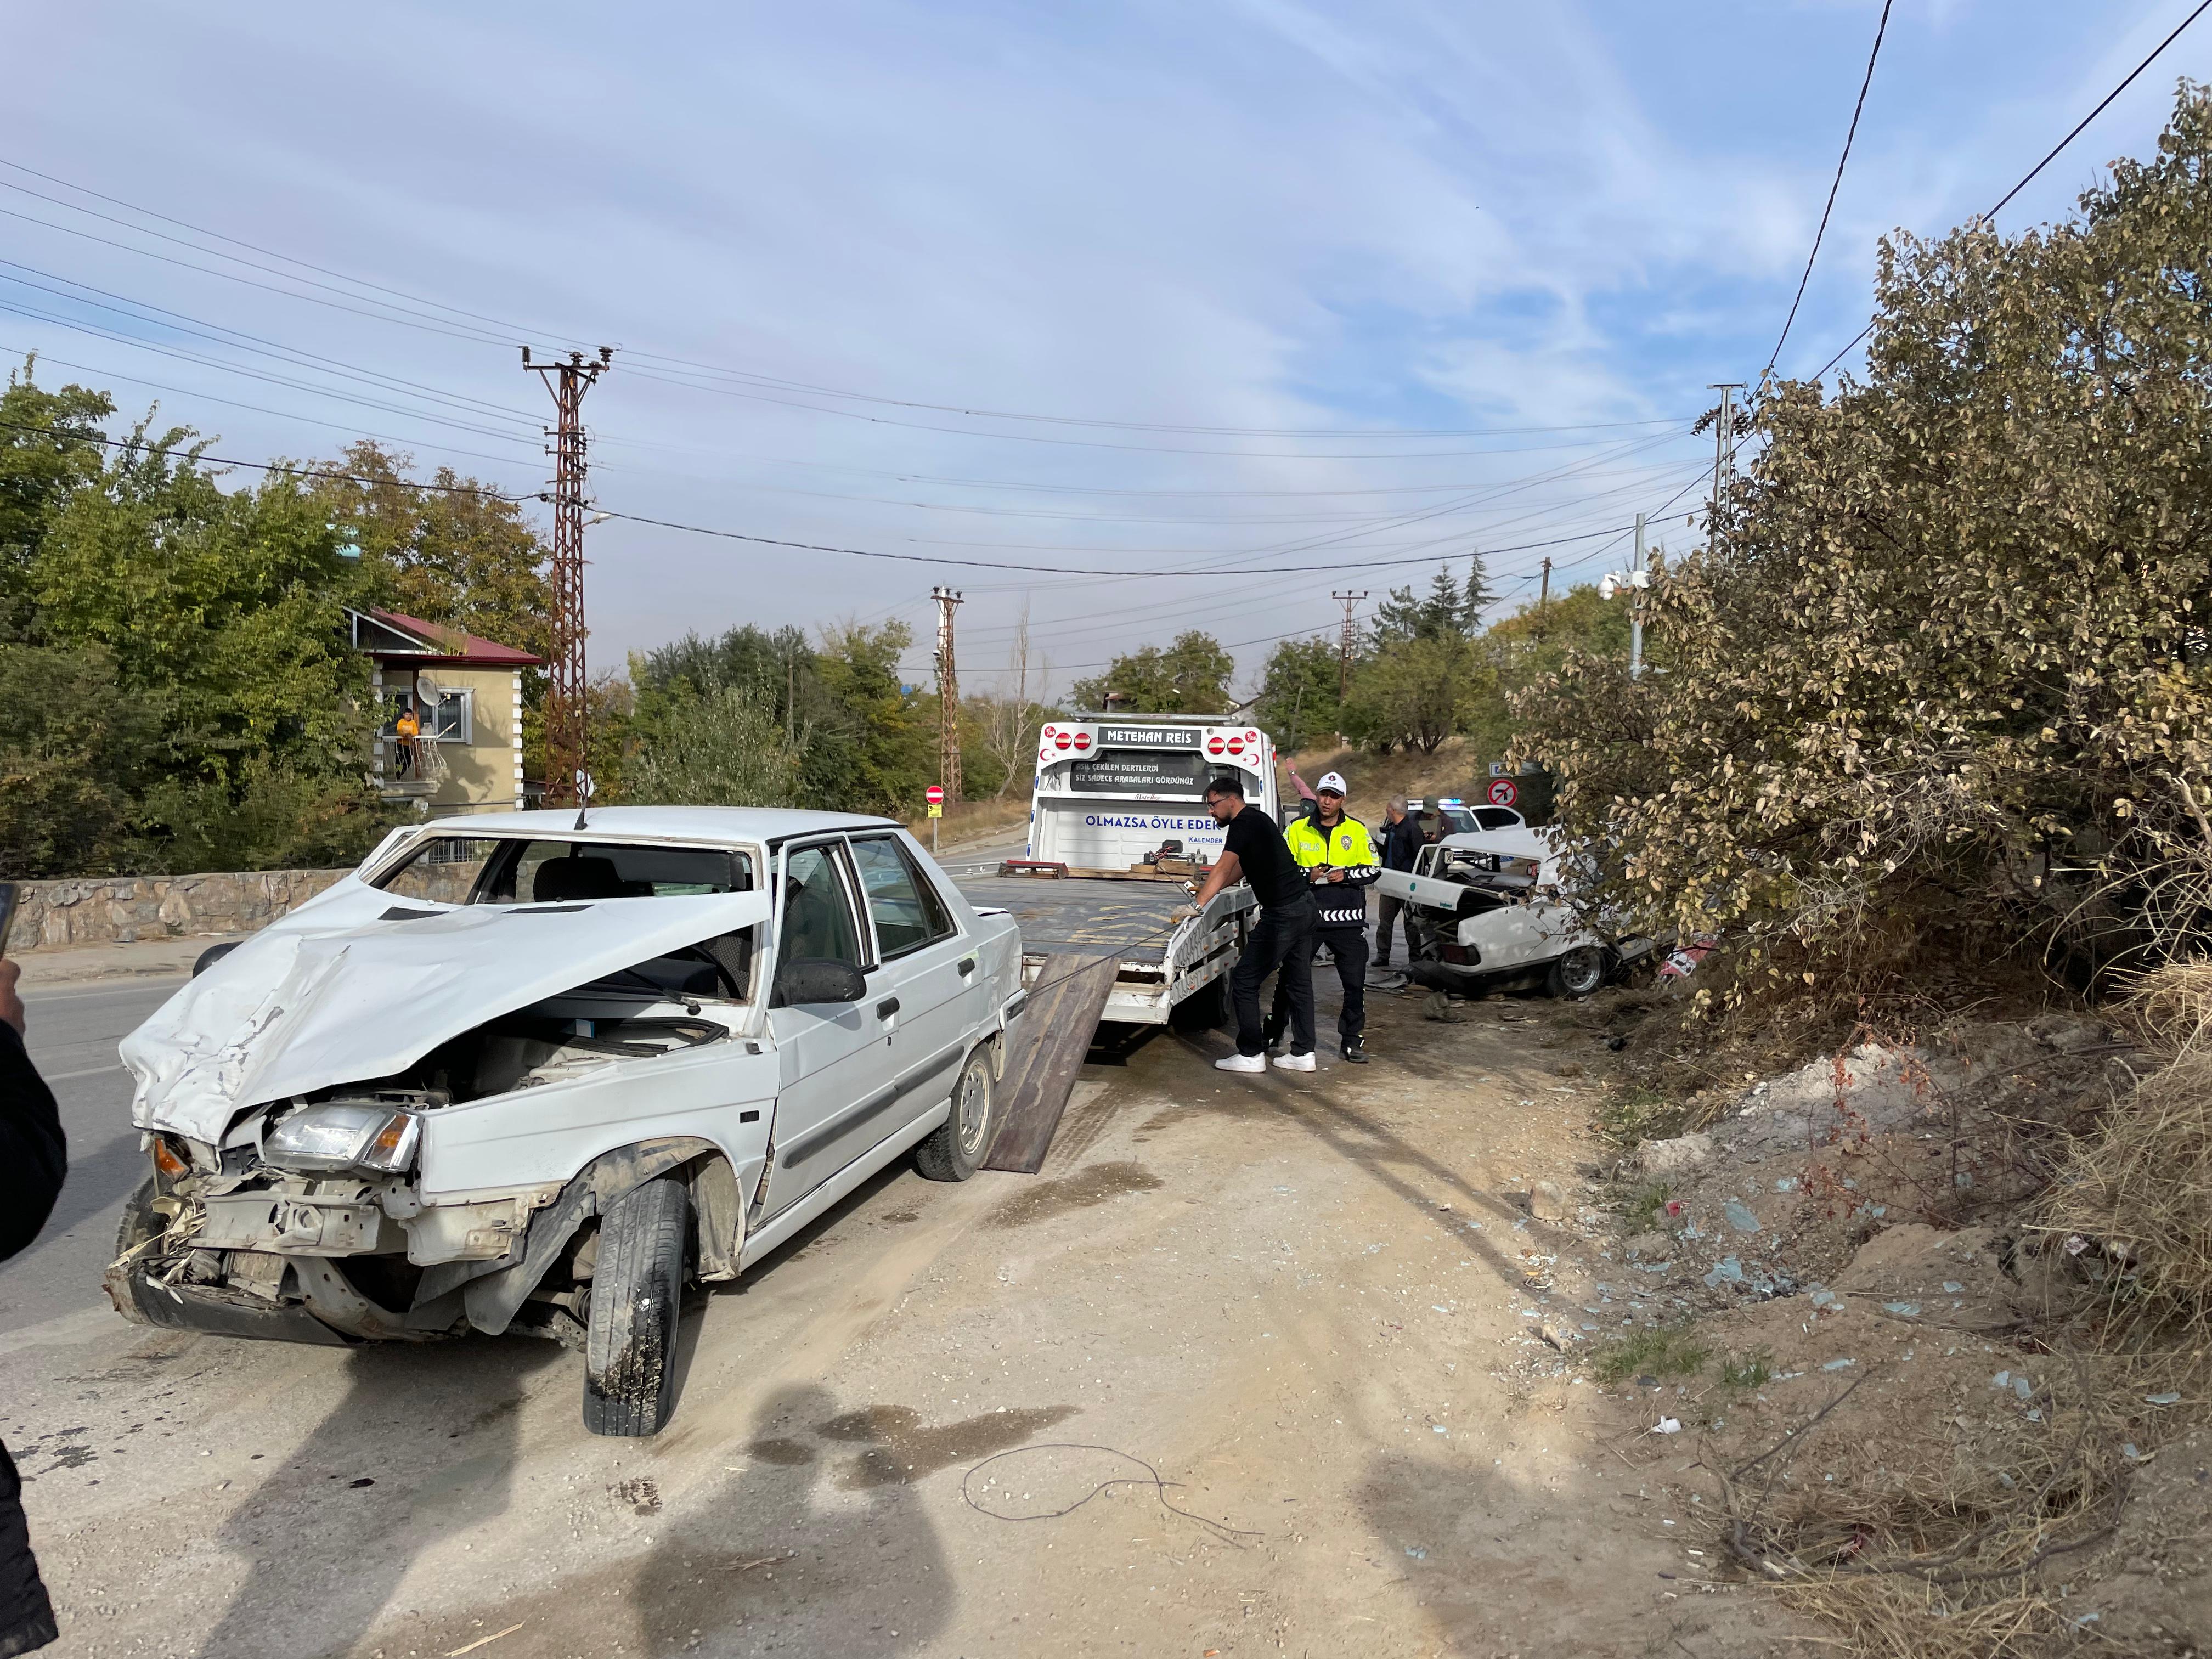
[{"x": 1257, "y": 1365}]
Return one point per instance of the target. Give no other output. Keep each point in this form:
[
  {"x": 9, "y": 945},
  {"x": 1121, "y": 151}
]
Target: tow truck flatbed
[{"x": 1163, "y": 964}]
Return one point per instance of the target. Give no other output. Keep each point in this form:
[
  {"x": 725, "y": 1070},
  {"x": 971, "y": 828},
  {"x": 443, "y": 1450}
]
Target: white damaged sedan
[{"x": 516, "y": 1074}]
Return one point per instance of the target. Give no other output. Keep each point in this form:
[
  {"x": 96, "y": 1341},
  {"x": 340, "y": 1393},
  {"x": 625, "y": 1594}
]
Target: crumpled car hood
[{"x": 329, "y": 995}]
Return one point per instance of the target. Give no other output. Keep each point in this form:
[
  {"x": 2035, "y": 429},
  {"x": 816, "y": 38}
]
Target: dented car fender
[{"x": 493, "y": 1297}]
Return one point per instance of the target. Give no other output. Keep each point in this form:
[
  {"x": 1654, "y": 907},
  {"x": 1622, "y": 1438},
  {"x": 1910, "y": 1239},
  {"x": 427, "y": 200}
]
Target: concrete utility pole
[
  {"x": 948, "y": 695},
  {"x": 1724, "y": 444},
  {"x": 1544, "y": 593},
  {"x": 1344, "y": 643},
  {"x": 1635, "y": 606},
  {"x": 569, "y": 688}
]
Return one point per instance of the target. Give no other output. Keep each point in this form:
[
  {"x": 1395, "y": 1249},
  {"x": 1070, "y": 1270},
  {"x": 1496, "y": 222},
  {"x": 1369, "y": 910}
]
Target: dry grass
[
  {"x": 1938, "y": 1559},
  {"x": 2136, "y": 1189},
  {"x": 971, "y": 820}
]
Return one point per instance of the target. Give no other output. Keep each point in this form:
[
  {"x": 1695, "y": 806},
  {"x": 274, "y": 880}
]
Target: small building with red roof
[{"x": 463, "y": 695}]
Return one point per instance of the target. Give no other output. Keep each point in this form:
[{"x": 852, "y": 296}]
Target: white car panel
[
  {"x": 305, "y": 1007},
  {"x": 543, "y": 1135}
]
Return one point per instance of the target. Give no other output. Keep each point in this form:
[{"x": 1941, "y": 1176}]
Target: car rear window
[
  {"x": 481, "y": 870},
  {"x": 907, "y": 912}
]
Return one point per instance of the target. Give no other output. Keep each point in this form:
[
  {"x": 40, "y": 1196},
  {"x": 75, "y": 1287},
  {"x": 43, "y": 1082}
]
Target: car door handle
[
  {"x": 887, "y": 1007},
  {"x": 967, "y": 966}
]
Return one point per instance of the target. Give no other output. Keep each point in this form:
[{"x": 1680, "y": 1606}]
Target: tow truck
[{"x": 1118, "y": 823}]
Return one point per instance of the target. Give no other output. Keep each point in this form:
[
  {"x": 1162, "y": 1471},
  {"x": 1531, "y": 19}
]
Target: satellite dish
[{"x": 426, "y": 691}]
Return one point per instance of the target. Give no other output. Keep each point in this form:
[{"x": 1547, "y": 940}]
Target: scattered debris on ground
[{"x": 1933, "y": 1307}]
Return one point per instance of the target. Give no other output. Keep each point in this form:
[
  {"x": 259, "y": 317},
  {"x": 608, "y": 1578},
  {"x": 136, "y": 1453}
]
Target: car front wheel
[
  {"x": 956, "y": 1148},
  {"x": 637, "y": 1299}
]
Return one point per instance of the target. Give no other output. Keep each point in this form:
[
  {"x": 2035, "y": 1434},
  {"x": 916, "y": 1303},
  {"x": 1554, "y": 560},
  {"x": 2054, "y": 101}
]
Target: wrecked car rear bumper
[{"x": 214, "y": 1308}]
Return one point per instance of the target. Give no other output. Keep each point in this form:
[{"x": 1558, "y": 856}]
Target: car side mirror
[
  {"x": 803, "y": 980},
  {"x": 212, "y": 955}
]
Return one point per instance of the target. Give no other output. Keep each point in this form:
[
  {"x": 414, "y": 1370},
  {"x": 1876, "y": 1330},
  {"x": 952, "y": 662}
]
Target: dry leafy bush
[
  {"x": 1941, "y": 684},
  {"x": 2137, "y": 1189}
]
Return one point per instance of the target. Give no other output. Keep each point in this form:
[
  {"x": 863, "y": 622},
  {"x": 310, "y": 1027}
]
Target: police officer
[{"x": 1332, "y": 847}]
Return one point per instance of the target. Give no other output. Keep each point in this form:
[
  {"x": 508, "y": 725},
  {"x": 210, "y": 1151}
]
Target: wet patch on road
[
  {"x": 905, "y": 1450},
  {"x": 1097, "y": 1184},
  {"x": 791, "y": 1454}
]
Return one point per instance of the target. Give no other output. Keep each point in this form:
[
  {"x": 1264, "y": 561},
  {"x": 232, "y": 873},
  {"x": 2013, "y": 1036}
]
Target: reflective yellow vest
[{"x": 1346, "y": 847}]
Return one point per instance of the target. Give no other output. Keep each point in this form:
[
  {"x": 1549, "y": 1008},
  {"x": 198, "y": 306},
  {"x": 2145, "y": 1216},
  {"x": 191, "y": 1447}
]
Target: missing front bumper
[{"x": 216, "y": 1309}]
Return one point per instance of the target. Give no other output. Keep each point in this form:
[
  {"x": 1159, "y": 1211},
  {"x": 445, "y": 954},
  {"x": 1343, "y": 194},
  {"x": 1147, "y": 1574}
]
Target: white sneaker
[
  {"x": 1304, "y": 1062},
  {"x": 1247, "y": 1063}
]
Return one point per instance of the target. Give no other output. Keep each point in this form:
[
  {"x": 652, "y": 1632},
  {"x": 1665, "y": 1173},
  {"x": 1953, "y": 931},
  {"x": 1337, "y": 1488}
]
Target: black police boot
[{"x": 1355, "y": 1051}]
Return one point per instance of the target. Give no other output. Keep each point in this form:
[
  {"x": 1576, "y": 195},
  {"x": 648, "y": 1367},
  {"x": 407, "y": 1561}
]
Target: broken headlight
[{"x": 343, "y": 1135}]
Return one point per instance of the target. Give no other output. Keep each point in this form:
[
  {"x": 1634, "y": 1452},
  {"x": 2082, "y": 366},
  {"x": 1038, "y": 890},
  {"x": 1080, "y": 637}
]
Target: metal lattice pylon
[{"x": 568, "y": 690}]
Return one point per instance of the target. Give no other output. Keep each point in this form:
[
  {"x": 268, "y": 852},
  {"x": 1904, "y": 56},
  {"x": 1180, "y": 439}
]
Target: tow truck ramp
[{"x": 1050, "y": 1040}]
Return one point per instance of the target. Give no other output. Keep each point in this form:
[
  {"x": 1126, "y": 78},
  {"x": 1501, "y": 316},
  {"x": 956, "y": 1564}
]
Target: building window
[{"x": 456, "y": 717}]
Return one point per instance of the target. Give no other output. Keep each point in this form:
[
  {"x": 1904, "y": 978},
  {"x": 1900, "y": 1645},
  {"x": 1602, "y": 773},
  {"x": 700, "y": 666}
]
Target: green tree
[
  {"x": 49, "y": 446},
  {"x": 720, "y": 748},
  {"x": 1191, "y": 677},
  {"x": 1447, "y": 611},
  {"x": 230, "y": 605},
  {"x": 74, "y": 753},
  {"x": 1297, "y": 700},
  {"x": 880, "y": 736},
  {"x": 1416, "y": 694}
]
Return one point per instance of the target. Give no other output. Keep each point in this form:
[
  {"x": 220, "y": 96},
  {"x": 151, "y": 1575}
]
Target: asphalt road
[{"x": 72, "y": 1033}]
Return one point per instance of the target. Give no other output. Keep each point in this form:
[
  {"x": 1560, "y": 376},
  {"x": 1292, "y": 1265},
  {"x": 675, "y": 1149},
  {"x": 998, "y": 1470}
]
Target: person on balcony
[{"x": 408, "y": 730}]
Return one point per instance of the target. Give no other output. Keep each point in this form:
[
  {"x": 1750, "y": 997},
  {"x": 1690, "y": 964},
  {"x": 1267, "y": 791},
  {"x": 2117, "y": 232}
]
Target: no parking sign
[{"x": 1503, "y": 791}]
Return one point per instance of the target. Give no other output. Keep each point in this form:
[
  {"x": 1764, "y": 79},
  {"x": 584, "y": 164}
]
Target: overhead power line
[
  {"x": 349, "y": 427},
  {"x": 1880, "y": 29},
  {"x": 410, "y": 309},
  {"x": 2029, "y": 177},
  {"x": 278, "y": 467},
  {"x": 1049, "y": 570}
]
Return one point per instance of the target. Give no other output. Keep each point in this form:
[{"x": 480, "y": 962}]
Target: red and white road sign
[
  {"x": 934, "y": 794},
  {"x": 1503, "y": 793}
]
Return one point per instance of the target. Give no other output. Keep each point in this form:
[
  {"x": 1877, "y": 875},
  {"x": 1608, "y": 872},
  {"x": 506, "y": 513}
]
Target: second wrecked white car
[
  {"x": 515, "y": 1073},
  {"x": 1497, "y": 914}
]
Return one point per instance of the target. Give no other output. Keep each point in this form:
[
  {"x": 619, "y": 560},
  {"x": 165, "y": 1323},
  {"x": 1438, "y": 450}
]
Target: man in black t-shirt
[{"x": 1281, "y": 933}]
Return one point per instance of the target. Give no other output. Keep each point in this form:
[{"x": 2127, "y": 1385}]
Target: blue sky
[{"x": 1310, "y": 294}]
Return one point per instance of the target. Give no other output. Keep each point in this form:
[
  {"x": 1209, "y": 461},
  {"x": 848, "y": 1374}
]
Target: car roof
[{"x": 716, "y": 825}]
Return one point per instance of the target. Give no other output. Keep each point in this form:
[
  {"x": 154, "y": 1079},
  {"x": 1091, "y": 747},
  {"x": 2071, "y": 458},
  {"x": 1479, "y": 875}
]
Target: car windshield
[{"x": 501, "y": 870}]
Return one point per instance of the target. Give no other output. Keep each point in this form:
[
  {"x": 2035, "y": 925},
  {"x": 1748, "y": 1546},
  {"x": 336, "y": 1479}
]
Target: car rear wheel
[
  {"x": 956, "y": 1148},
  {"x": 1577, "y": 974},
  {"x": 636, "y": 1303}
]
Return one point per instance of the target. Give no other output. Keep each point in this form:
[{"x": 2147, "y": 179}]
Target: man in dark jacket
[
  {"x": 1401, "y": 845},
  {"x": 33, "y": 1159}
]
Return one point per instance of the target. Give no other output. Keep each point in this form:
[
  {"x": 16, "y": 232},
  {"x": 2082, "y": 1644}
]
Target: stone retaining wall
[{"x": 52, "y": 916}]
